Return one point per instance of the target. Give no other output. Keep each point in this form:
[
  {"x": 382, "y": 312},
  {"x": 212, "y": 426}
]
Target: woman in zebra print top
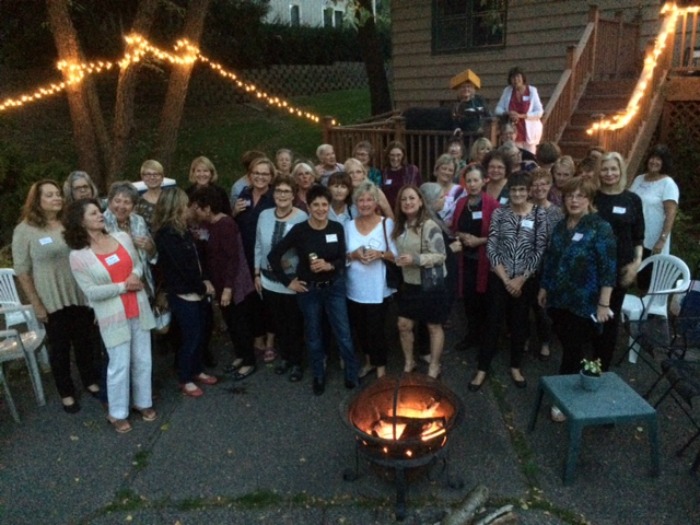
[{"x": 517, "y": 240}]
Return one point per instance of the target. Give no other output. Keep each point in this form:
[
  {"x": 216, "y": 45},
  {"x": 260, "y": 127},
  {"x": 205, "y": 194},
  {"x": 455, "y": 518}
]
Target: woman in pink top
[{"x": 108, "y": 270}]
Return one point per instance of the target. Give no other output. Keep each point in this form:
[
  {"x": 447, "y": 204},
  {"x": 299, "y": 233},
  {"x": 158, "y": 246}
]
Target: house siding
[{"x": 537, "y": 35}]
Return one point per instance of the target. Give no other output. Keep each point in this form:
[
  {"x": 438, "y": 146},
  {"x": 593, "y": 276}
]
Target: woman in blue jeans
[
  {"x": 319, "y": 284},
  {"x": 188, "y": 289}
]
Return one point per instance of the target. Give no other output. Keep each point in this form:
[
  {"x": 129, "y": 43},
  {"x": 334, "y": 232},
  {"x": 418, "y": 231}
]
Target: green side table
[{"x": 615, "y": 402}]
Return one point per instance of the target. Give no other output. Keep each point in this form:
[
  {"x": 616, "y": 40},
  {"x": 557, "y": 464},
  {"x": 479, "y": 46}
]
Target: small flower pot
[{"x": 589, "y": 382}]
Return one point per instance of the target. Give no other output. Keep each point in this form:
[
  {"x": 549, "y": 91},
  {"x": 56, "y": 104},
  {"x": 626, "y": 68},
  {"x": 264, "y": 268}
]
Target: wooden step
[
  {"x": 624, "y": 86},
  {"x": 604, "y": 103},
  {"x": 577, "y": 149}
]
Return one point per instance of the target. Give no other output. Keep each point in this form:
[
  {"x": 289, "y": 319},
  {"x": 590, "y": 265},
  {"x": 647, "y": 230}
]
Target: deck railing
[
  {"x": 422, "y": 147},
  {"x": 603, "y": 52}
]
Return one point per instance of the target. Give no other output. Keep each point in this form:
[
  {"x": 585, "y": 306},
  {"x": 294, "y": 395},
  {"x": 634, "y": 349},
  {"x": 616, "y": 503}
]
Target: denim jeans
[
  {"x": 191, "y": 317},
  {"x": 332, "y": 300}
]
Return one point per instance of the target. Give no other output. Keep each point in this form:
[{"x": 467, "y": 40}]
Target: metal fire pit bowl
[{"x": 364, "y": 409}]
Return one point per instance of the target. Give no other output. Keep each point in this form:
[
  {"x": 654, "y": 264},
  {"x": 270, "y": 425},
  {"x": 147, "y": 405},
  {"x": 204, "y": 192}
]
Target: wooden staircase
[{"x": 601, "y": 98}]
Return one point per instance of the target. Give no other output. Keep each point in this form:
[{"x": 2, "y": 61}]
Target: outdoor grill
[{"x": 403, "y": 424}]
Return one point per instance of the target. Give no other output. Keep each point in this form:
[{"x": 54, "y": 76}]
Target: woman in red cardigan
[{"x": 470, "y": 224}]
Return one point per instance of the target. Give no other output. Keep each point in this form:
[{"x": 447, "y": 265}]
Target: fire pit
[{"x": 402, "y": 423}]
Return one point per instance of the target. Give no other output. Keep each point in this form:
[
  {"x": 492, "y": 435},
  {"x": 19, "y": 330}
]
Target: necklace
[{"x": 285, "y": 215}]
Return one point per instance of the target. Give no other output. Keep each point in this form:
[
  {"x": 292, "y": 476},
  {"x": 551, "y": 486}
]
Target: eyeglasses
[
  {"x": 283, "y": 192},
  {"x": 151, "y": 174},
  {"x": 541, "y": 184},
  {"x": 575, "y": 197},
  {"x": 258, "y": 174},
  {"x": 81, "y": 187}
]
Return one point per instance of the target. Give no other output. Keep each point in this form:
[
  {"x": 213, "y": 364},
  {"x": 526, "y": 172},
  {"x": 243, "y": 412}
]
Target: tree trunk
[
  {"x": 177, "y": 87},
  {"x": 126, "y": 90},
  {"x": 370, "y": 46},
  {"x": 79, "y": 98}
]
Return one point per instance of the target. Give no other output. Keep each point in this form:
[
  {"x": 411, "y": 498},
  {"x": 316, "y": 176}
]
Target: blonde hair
[
  {"x": 167, "y": 212},
  {"x": 614, "y": 155},
  {"x": 152, "y": 165},
  {"x": 204, "y": 161}
]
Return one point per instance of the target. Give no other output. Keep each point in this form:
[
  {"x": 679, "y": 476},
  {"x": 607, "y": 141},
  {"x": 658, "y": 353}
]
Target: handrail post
[
  {"x": 327, "y": 125},
  {"x": 594, "y": 17},
  {"x": 399, "y": 128},
  {"x": 570, "y": 50},
  {"x": 618, "y": 44}
]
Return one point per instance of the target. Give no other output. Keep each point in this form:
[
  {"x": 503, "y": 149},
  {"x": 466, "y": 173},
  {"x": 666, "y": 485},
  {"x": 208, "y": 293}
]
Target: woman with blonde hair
[
  {"x": 563, "y": 170},
  {"x": 202, "y": 175},
  {"x": 185, "y": 284},
  {"x": 357, "y": 172},
  {"x": 622, "y": 209},
  {"x": 152, "y": 176}
]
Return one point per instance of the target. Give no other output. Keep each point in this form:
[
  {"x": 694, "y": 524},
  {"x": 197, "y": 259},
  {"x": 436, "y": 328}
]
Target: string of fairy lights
[
  {"x": 668, "y": 28},
  {"x": 138, "y": 48}
]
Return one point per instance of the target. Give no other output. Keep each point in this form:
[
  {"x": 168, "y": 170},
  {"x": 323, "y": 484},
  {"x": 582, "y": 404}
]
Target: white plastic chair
[
  {"x": 16, "y": 343},
  {"x": 669, "y": 276},
  {"x": 10, "y": 297},
  {"x": 8, "y": 395}
]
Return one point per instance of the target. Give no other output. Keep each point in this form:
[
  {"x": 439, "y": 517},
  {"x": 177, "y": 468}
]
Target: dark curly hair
[{"x": 75, "y": 234}]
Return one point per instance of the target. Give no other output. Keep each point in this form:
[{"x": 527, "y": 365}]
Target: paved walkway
[{"x": 267, "y": 451}]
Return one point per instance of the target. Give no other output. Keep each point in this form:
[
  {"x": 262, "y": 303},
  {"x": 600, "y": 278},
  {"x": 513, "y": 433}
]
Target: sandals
[
  {"x": 147, "y": 414},
  {"x": 434, "y": 370},
  {"x": 122, "y": 426},
  {"x": 206, "y": 379},
  {"x": 234, "y": 365},
  {"x": 269, "y": 355}
]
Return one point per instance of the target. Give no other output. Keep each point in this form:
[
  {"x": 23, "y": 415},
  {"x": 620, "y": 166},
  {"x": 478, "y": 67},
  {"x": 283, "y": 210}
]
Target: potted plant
[{"x": 591, "y": 374}]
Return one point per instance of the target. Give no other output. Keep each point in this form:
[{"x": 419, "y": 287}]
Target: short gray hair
[{"x": 123, "y": 187}]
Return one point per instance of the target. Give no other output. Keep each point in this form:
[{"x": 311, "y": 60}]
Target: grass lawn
[{"x": 40, "y": 138}]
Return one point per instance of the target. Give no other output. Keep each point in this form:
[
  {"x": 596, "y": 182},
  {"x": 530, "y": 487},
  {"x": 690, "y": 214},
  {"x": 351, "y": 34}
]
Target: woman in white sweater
[{"x": 108, "y": 270}]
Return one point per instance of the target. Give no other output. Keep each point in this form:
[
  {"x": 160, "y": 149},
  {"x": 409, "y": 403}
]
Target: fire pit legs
[{"x": 401, "y": 487}]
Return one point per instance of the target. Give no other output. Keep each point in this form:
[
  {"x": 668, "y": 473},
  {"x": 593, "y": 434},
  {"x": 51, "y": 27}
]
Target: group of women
[{"x": 291, "y": 261}]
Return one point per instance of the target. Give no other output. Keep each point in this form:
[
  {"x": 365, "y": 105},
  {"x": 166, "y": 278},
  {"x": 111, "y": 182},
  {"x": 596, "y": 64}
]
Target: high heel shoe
[{"x": 473, "y": 386}]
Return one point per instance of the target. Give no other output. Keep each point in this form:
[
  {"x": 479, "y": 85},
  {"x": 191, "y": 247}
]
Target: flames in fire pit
[{"x": 403, "y": 418}]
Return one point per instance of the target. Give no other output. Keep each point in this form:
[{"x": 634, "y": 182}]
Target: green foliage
[
  {"x": 17, "y": 173},
  {"x": 592, "y": 367}
]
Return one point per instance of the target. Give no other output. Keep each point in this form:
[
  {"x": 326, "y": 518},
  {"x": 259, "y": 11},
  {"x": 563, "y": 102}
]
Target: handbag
[
  {"x": 161, "y": 313},
  {"x": 432, "y": 278},
  {"x": 394, "y": 275}
]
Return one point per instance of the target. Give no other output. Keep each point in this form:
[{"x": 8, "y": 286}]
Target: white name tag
[
  {"x": 577, "y": 237},
  {"x": 527, "y": 223},
  {"x": 45, "y": 240},
  {"x": 503, "y": 200},
  {"x": 112, "y": 259},
  {"x": 331, "y": 237},
  {"x": 526, "y": 98},
  {"x": 388, "y": 182},
  {"x": 619, "y": 210},
  {"x": 477, "y": 215}
]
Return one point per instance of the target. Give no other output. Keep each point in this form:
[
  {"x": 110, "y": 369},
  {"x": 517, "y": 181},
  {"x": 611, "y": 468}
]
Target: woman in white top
[
  {"x": 521, "y": 102},
  {"x": 369, "y": 250},
  {"x": 659, "y": 194},
  {"x": 358, "y": 174}
]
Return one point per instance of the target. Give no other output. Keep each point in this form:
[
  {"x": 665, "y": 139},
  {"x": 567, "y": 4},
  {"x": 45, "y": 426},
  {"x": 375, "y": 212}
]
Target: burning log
[{"x": 405, "y": 428}]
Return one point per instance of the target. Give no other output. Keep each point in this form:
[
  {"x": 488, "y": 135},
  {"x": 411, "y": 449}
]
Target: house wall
[
  {"x": 311, "y": 11},
  {"x": 537, "y": 35}
]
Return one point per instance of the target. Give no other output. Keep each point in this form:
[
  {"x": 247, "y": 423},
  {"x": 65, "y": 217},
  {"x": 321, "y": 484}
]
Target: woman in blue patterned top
[{"x": 580, "y": 271}]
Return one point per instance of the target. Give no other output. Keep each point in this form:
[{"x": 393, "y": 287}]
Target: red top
[
  {"x": 119, "y": 266},
  {"x": 520, "y": 104}
]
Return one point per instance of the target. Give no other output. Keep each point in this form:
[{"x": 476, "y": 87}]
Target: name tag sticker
[
  {"x": 526, "y": 98},
  {"x": 577, "y": 237},
  {"x": 477, "y": 215},
  {"x": 388, "y": 182},
  {"x": 527, "y": 223},
  {"x": 619, "y": 210},
  {"x": 503, "y": 200},
  {"x": 45, "y": 240},
  {"x": 331, "y": 237},
  {"x": 112, "y": 259}
]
